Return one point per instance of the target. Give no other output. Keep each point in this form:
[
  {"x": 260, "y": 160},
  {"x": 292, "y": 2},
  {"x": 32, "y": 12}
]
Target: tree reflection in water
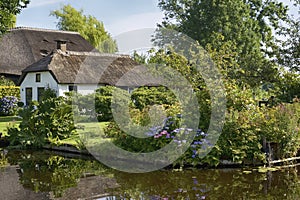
[{"x": 70, "y": 178}]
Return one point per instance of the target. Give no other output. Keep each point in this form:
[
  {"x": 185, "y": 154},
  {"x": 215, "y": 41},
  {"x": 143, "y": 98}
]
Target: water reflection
[{"x": 44, "y": 175}]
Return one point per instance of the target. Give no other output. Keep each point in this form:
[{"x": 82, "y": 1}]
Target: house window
[
  {"x": 40, "y": 92},
  {"x": 72, "y": 88},
  {"x": 28, "y": 95},
  {"x": 38, "y": 78}
]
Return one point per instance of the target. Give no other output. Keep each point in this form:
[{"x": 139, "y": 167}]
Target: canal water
[{"x": 47, "y": 175}]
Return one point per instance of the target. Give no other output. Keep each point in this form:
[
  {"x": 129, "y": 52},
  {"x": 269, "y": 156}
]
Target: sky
[
  {"x": 123, "y": 19},
  {"x": 118, "y": 16}
]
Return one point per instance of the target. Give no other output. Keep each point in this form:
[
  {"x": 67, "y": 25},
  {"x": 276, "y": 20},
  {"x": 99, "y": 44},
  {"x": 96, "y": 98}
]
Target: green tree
[
  {"x": 247, "y": 24},
  {"x": 8, "y": 11},
  {"x": 88, "y": 26},
  {"x": 289, "y": 53},
  {"x": 6, "y": 82}
]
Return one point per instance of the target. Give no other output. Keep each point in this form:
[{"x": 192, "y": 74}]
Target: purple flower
[
  {"x": 8, "y": 105},
  {"x": 197, "y": 143}
]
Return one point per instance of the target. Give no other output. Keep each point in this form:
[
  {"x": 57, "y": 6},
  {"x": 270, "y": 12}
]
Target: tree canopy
[
  {"x": 88, "y": 26},
  {"x": 8, "y": 11},
  {"x": 246, "y": 24},
  {"x": 289, "y": 53}
]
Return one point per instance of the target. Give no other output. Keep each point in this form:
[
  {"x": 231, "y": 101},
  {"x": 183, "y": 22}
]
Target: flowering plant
[
  {"x": 168, "y": 132},
  {"x": 8, "y": 105}
]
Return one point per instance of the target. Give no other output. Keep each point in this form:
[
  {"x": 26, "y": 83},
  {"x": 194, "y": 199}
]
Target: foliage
[
  {"x": 158, "y": 136},
  {"x": 8, "y": 105},
  {"x": 9, "y": 91},
  {"x": 244, "y": 131},
  {"x": 141, "y": 59},
  {"x": 289, "y": 86},
  {"x": 47, "y": 172},
  {"x": 289, "y": 52},
  {"x": 44, "y": 172},
  {"x": 8, "y": 11},
  {"x": 241, "y": 140},
  {"x": 103, "y": 100},
  {"x": 42, "y": 123},
  {"x": 148, "y": 96},
  {"x": 89, "y": 27},
  {"x": 281, "y": 125},
  {"x": 6, "y": 82},
  {"x": 247, "y": 25},
  {"x": 140, "y": 98}
]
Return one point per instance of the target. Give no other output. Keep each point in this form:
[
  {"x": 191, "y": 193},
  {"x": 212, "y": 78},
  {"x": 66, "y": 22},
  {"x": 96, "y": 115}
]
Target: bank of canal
[{"x": 47, "y": 175}]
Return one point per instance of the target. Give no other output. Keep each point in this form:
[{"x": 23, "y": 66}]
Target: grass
[
  {"x": 91, "y": 131},
  {"x": 8, "y": 121},
  {"x": 88, "y": 130}
]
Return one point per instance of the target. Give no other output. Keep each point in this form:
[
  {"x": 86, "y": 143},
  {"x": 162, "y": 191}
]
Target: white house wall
[
  {"x": 29, "y": 81},
  {"x": 87, "y": 89},
  {"x": 83, "y": 89},
  {"x": 47, "y": 81},
  {"x": 62, "y": 89}
]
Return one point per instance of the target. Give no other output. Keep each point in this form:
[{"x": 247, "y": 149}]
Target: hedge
[{"x": 9, "y": 91}]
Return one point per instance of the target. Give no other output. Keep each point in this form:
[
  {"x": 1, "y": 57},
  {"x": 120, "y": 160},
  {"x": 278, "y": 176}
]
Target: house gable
[{"x": 30, "y": 81}]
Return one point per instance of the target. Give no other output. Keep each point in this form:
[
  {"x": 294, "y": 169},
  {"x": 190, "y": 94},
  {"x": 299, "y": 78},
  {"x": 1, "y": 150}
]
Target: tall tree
[
  {"x": 8, "y": 11},
  {"x": 289, "y": 52},
  {"x": 88, "y": 26},
  {"x": 247, "y": 24}
]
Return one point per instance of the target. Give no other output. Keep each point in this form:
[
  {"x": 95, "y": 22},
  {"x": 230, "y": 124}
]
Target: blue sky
[{"x": 118, "y": 16}]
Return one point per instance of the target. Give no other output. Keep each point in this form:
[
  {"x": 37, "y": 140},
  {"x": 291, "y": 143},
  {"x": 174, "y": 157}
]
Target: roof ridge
[
  {"x": 41, "y": 29},
  {"x": 92, "y": 53}
]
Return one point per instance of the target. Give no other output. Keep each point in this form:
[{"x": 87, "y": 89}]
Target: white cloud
[
  {"x": 136, "y": 40},
  {"x": 39, "y": 3},
  {"x": 135, "y": 31},
  {"x": 135, "y": 22}
]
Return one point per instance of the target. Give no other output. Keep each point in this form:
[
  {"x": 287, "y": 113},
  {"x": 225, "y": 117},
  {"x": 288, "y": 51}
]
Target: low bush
[
  {"x": 46, "y": 122},
  {"x": 246, "y": 127},
  {"x": 8, "y": 105},
  {"x": 9, "y": 91}
]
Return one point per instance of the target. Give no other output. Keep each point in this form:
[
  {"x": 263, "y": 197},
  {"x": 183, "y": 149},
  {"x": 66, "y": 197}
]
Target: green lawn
[
  {"x": 87, "y": 130},
  {"x": 8, "y": 121},
  {"x": 92, "y": 131}
]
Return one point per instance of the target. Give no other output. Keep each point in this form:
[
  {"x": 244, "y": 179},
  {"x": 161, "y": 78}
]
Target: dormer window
[{"x": 38, "y": 78}]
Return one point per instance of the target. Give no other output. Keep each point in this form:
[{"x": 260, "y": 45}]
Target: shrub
[
  {"x": 145, "y": 96},
  {"x": 103, "y": 99},
  {"x": 241, "y": 140},
  {"x": 163, "y": 127},
  {"x": 8, "y": 105},
  {"x": 6, "y": 82},
  {"x": 42, "y": 123},
  {"x": 9, "y": 91}
]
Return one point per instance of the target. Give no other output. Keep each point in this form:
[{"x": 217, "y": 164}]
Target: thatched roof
[
  {"x": 21, "y": 47},
  {"x": 92, "y": 68}
]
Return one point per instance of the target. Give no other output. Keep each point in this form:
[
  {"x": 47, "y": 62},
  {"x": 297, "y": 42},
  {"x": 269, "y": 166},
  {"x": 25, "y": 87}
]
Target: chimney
[{"x": 61, "y": 45}]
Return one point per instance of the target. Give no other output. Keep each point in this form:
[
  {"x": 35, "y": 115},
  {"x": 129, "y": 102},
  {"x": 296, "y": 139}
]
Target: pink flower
[{"x": 164, "y": 132}]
